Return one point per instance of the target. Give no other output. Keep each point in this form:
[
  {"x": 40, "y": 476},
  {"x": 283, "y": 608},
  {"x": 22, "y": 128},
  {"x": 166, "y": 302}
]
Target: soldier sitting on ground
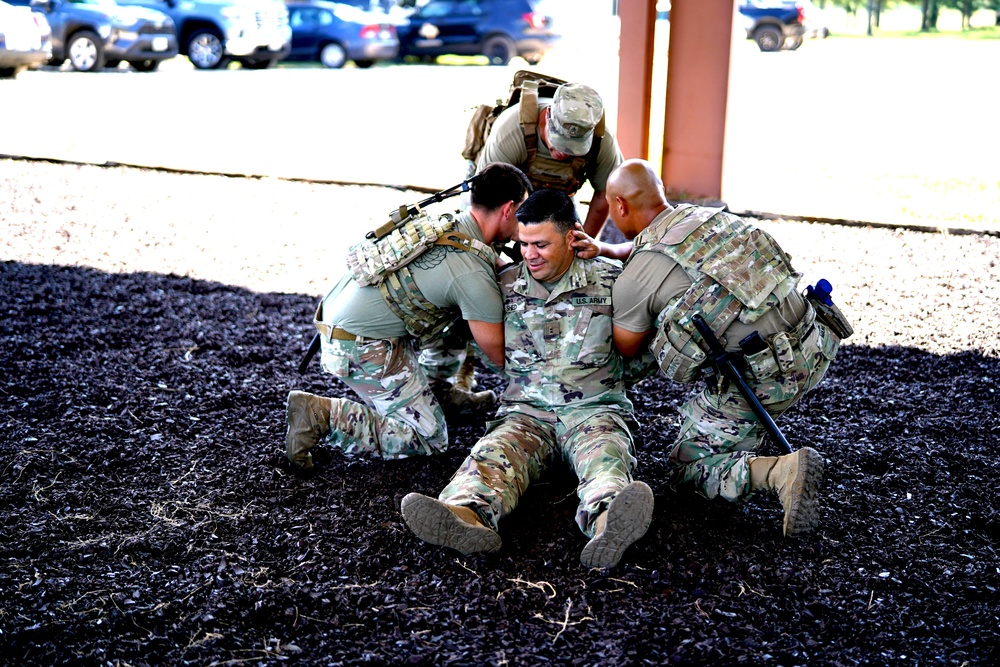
[{"x": 565, "y": 401}]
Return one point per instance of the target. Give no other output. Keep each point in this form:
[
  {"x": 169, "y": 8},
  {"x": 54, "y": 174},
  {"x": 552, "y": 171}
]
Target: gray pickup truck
[{"x": 211, "y": 33}]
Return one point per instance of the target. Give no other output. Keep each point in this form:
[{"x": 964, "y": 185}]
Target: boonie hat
[{"x": 576, "y": 109}]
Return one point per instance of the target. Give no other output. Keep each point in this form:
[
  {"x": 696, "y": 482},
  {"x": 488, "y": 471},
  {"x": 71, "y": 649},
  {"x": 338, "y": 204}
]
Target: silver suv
[{"x": 212, "y": 33}]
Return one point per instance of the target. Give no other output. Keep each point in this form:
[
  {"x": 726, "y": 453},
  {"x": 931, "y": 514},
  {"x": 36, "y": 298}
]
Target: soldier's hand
[{"x": 583, "y": 244}]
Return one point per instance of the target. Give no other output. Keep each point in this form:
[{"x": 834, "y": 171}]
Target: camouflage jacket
[{"x": 559, "y": 354}]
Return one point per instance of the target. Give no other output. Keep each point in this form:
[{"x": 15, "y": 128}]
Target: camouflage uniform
[
  {"x": 713, "y": 263},
  {"x": 565, "y": 399},
  {"x": 370, "y": 348}
]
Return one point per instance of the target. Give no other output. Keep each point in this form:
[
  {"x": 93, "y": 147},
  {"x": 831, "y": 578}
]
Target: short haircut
[
  {"x": 548, "y": 205},
  {"x": 498, "y": 183}
]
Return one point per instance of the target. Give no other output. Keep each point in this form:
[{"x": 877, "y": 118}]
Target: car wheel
[
  {"x": 205, "y": 50},
  {"x": 364, "y": 64},
  {"x": 145, "y": 65},
  {"x": 768, "y": 38},
  {"x": 499, "y": 49},
  {"x": 86, "y": 53},
  {"x": 333, "y": 56},
  {"x": 793, "y": 43}
]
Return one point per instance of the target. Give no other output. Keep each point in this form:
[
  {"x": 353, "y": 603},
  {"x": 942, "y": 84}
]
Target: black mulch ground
[{"x": 147, "y": 515}]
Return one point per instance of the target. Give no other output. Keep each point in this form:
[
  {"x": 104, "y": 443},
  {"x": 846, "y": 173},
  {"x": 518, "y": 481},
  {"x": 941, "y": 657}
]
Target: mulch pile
[{"x": 148, "y": 516}]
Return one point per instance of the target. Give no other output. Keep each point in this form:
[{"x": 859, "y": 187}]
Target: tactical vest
[
  {"x": 383, "y": 262},
  {"x": 546, "y": 172},
  {"x": 736, "y": 270}
]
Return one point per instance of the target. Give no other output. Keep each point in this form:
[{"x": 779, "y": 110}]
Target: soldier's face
[{"x": 546, "y": 250}]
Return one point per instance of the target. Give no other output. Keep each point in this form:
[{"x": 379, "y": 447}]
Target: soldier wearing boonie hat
[
  {"x": 576, "y": 109},
  {"x": 559, "y": 142}
]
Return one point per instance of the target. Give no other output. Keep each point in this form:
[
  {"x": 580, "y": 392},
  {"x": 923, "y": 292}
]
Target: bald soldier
[{"x": 687, "y": 260}]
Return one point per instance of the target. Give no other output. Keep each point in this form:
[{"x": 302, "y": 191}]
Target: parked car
[
  {"x": 212, "y": 33},
  {"x": 815, "y": 20},
  {"x": 773, "y": 24},
  {"x": 94, "y": 34},
  {"x": 497, "y": 29},
  {"x": 334, "y": 33},
  {"x": 25, "y": 40}
]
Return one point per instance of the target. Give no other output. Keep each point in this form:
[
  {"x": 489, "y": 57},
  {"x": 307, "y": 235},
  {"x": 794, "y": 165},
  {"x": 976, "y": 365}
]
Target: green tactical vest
[
  {"x": 736, "y": 270},
  {"x": 383, "y": 262}
]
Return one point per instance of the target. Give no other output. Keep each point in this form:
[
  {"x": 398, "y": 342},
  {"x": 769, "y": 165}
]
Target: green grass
[{"x": 982, "y": 33}]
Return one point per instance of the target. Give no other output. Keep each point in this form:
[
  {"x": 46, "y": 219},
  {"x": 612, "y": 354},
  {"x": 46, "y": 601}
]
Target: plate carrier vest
[
  {"x": 382, "y": 261},
  {"x": 736, "y": 270}
]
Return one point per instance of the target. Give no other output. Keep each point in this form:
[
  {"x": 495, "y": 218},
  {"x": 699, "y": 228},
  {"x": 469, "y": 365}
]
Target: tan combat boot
[
  {"x": 308, "y": 417},
  {"x": 796, "y": 478},
  {"x": 447, "y": 525},
  {"x": 624, "y": 522},
  {"x": 458, "y": 395}
]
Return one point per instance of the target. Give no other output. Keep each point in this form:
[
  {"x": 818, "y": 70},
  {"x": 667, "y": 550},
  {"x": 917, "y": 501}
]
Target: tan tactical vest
[
  {"x": 545, "y": 172},
  {"x": 383, "y": 262},
  {"x": 736, "y": 270}
]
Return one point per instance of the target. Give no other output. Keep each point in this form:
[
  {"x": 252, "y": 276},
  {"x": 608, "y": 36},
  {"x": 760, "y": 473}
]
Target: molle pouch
[
  {"x": 334, "y": 361},
  {"x": 784, "y": 354},
  {"x": 762, "y": 364},
  {"x": 681, "y": 365}
]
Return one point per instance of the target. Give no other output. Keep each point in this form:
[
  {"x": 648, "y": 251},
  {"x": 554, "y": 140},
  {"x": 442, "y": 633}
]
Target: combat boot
[
  {"x": 462, "y": 398},
  {"x": 625, "y": 521},
  {"x": 447, "y": 525},
  {"x": 796, "y": 478},
  {"x": 308, "y": 417}
]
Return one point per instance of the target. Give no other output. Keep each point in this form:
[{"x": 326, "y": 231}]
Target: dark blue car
[
  {"x": 497, "y": 29},
  {"x": 333, "y": 33}
]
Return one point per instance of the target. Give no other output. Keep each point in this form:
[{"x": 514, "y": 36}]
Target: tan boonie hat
[{"x": 576, "y": 109}]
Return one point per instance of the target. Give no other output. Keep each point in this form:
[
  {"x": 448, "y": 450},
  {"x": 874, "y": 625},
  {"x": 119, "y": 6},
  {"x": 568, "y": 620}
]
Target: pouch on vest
[{"x": 372, "y": 259}]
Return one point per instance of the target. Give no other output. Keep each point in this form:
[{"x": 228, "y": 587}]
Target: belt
[
  {"x": 333, "y": 332},
  {"x": 330, "y": 331}
]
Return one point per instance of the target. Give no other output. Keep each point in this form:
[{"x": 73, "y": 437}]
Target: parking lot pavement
[{"x": 829, "y": 130}]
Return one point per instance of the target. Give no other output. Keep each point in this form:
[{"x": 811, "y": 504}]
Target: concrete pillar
[
  {"x": 635, "y": 53},
  {"x": 697, "y": 91}
]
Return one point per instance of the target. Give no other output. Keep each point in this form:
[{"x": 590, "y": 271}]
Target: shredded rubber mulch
[{"x": 148, "y": 516}]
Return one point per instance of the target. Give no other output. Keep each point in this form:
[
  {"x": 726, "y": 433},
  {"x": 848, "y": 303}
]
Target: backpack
[{"x": 526, "y": 88}]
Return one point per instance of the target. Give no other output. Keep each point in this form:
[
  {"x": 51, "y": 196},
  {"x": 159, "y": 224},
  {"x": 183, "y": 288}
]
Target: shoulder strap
[
  {"x": 529, "y": 117},
  {"x": 468, "y": 244}
]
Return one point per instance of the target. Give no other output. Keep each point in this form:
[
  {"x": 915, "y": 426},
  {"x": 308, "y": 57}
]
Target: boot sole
[
  {"x": 803, "y": 512},
  {"x": 434, "y": 523},
  {"x": 629, "y": 516}
]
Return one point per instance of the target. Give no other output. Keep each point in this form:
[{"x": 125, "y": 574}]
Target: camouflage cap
[{"x": 576, "y": 109}]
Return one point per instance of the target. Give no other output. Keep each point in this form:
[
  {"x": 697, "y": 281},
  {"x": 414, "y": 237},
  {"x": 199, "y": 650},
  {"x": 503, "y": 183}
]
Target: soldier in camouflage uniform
[
  {"x": 690, "y": 260},
  {"x": 370, "y": 341},
  {"x": 565, "y": 401}
]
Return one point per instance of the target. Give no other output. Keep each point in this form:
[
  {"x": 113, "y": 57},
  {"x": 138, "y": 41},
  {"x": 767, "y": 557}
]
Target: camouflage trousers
[
  {"x": 518, "y": 449},
  {"x": 400, "y": 416},
  {"x": 441, "y": 359},
  {"x": 719, "y": 432}
]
